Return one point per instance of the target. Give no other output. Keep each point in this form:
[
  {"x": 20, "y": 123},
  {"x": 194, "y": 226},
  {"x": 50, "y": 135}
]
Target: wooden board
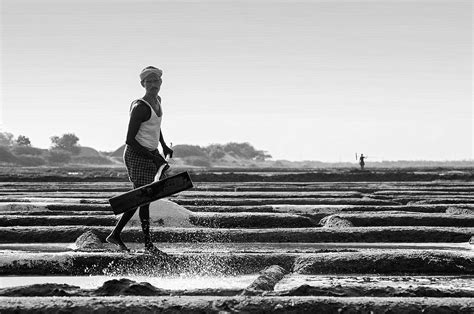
[{"x": 151, "y": 192}]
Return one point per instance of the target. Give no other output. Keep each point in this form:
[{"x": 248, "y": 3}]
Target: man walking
[{"x": 141, "y": 154}]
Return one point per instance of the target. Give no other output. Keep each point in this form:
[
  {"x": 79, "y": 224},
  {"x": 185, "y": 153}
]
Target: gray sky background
[{"x": 303, "y": 80}]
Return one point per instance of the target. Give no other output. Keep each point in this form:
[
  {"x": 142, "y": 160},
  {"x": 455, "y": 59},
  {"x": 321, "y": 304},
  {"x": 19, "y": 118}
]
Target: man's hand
[
  {"x": 158, "y": 161},
  {"x": 167, "y": 151}
]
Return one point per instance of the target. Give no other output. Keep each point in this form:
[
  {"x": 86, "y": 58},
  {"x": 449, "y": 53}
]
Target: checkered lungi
[{"x": 141, "y": 171}]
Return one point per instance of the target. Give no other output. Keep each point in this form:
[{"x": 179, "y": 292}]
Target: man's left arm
[{"x": 166, "y": 149}]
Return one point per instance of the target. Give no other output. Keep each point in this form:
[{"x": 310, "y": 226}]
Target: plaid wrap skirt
[{"x": 141, "y": 170}]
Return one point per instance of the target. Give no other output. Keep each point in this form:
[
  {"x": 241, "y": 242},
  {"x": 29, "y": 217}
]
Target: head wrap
[{"x": 150, "y": 70}]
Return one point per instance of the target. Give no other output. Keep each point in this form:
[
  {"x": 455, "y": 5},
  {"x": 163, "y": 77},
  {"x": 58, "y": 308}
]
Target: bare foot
[{"x": 113, "y": 239}]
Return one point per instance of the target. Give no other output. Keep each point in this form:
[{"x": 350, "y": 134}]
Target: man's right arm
[{"x": 138, "y": 115}]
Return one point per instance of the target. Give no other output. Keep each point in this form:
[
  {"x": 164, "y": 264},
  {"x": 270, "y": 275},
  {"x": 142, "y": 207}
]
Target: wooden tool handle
[{"x": 160, "y": 170}]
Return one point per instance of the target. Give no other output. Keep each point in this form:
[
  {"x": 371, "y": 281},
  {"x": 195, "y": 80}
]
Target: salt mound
[
  {"x": 128, "y": 287},
  {"x": 166, "y": 214},
  {"x": 88, "y": 241},
  {"x": 334, "y": 221}
]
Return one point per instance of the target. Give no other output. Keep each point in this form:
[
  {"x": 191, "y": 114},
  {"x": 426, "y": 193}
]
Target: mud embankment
[
  {"x": 118, "y": 174},
  {"x": 307, "y": 235},
  {"x": 263, "y": 285},
  {"x": 210, "y": 304},
  {"x": 326, "y": 261}
]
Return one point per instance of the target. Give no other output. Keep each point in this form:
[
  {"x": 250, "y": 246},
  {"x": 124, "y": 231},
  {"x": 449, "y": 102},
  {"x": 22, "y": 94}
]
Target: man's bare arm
[
  {"x": 138, "y": 115},
  {"x": 166, "y": 149}
]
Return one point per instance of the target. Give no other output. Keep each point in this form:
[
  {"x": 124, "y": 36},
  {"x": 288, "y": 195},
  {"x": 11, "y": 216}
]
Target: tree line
[
  {"x": 20, "y": 151},
  {"x": 207, "y": 156},
  {"x": 65, "y": 149}
]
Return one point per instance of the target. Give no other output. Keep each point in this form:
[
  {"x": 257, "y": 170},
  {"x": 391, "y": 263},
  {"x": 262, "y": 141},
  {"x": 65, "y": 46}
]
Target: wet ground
[
  {"x": 342, "y": 245},
  {"x": 248, "y": 247}
]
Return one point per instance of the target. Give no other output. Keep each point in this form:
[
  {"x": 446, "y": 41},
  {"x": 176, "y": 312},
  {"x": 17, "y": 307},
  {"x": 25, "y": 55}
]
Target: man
[
  {"x": 141, "y": 154},
  {"x": 361, "y": 161}
]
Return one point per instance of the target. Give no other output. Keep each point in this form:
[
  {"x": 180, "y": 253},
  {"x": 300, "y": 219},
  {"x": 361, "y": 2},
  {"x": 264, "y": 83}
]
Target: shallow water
[
  {"x": 445, "y": 282},
  {"x": 251, "y": 247},
  {"x": 176, "y": 283},
  {"x": 186, "y": 282}
]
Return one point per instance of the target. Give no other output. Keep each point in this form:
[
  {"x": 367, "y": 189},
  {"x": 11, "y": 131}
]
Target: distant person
[
  {"x": 361, "y": 161},
  {"x": 141, "y": 154}
]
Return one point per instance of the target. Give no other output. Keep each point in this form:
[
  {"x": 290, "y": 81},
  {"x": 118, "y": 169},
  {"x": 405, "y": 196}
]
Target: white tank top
[{"x": 149, "y": 133}]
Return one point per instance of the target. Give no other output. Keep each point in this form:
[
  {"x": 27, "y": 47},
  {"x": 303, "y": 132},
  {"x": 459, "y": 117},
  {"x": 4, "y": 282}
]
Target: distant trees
[
  {"x": 66, "y": 149},
  {"x": 218, "y": 151},
  {"x": 246, "y": 151},
  {"x": 23, "y": 141},
  {"x": 215, "y": 151},
  {"x": 19, "y": 151},
  {"x": 6, "y": 139},
  {"x": 67, "y": 142},
  {"x": 62, "y": 148},
  {"x": 205, "y": 156},
  {"x": 23, "y": 148},
  {"x": 188, "y": 151}
]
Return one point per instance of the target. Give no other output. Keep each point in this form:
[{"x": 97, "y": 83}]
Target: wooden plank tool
[{"x": 150, "y": 192}]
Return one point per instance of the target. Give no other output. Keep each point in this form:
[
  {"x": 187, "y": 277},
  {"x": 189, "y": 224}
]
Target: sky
[{"x": 302, "y": 80}]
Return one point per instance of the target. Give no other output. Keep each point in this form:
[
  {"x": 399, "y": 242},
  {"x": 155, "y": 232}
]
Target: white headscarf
[{"x": 150, "y": 70}]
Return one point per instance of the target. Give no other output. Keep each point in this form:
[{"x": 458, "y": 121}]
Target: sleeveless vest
[{"x": 149, "y": 133}]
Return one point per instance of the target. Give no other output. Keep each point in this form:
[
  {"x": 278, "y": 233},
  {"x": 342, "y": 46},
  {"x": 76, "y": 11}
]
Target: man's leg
[
  {"x": 114, "y": 237},
  {"x": 145, "y": 220}
]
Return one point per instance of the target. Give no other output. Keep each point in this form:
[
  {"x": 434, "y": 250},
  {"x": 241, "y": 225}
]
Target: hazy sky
[{"x": 303, "y": 80}]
